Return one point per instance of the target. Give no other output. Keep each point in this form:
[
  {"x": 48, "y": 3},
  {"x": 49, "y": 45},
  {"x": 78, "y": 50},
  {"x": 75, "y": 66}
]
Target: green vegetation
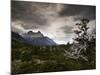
[{"x": 34, "y": 59}]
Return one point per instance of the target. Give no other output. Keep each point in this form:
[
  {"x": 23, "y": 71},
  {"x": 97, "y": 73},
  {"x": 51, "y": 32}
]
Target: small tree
[
  {"x": 82, "y": 38},
  {"x": 82, "y": 42}
]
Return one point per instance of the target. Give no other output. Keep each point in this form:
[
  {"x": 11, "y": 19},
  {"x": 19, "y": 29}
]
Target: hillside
[
  {"x": 36, "y": 39},
  {"x": 27, "y": 58}
]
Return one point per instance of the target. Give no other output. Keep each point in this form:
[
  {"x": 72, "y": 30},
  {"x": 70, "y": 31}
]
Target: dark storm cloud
[
  {"x": 34, "y": 14},
  {"x": 27, "y": 12},
  {"x": 79, "y": 11}
]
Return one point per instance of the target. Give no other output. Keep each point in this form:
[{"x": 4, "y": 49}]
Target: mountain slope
[
  {"x": 40, "y": 41},
  {"x": 17, "y": 37},
  {"x": 30, "y": 39}
]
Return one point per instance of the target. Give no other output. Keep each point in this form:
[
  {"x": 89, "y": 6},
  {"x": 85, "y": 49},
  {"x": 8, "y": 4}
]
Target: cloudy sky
[{"x": 56, "y": 21}]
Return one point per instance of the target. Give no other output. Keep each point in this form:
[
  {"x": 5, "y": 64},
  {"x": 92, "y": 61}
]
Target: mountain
[
  {"x": 37, "y": 38},
  {"x": 33, "y": 38},
  {"x": 17, "y": 37},
  {"x": 41, "y": 41},
  {"x": 34, "y": 34}
]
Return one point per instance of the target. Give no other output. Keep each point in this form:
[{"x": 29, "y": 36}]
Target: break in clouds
[{"x": 56, "y": 21}]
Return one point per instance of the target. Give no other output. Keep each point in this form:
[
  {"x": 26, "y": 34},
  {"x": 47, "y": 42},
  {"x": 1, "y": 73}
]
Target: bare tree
[{"x": 81, "y": 40}]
